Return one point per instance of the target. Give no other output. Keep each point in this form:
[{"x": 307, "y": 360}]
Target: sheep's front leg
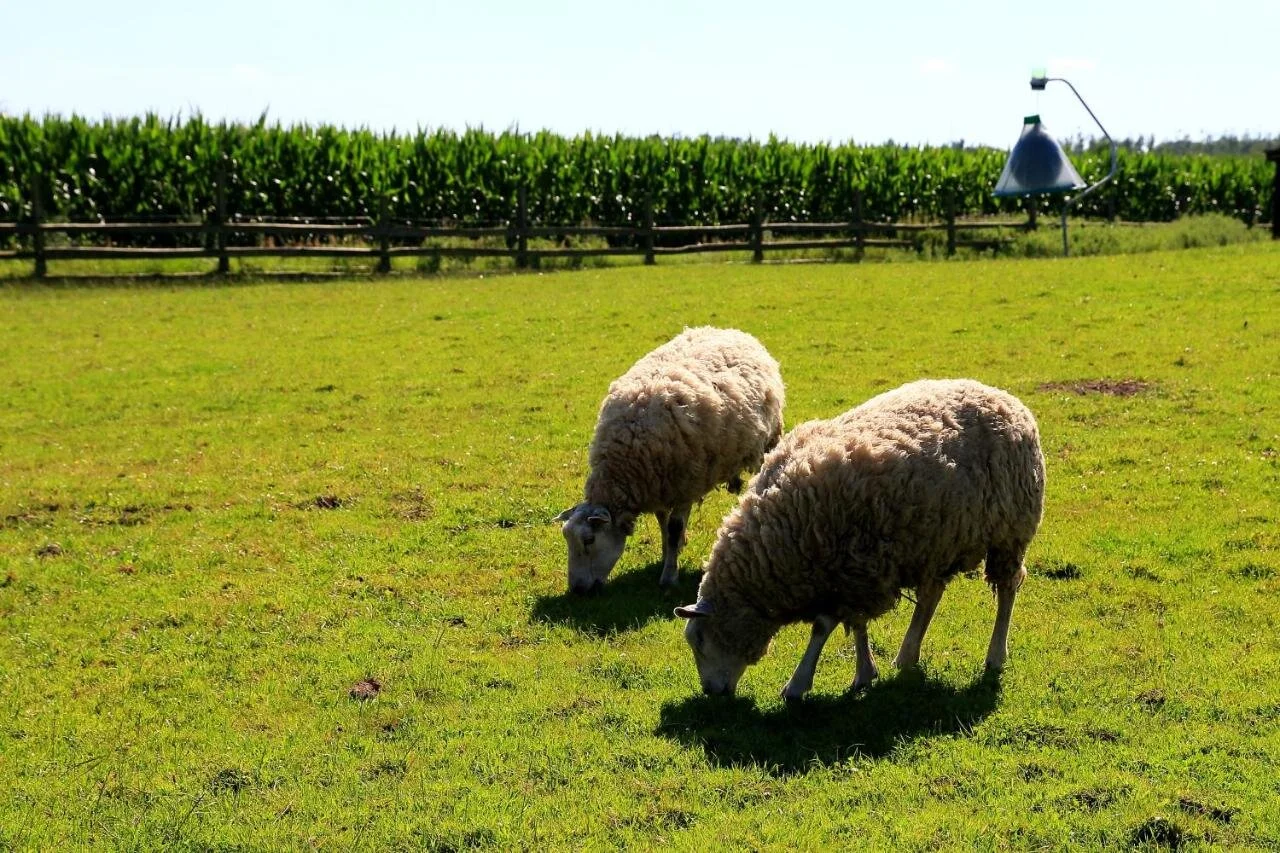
[
  {"x": 866, "y": 671},
  {"x": 801, "y": 681},
  {"x": 674, "y": 526},
  {"x": 927, "y": 597}
]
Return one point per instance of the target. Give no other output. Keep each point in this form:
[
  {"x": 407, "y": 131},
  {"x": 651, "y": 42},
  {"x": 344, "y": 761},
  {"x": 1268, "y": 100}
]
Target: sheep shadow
[
  {"x": 824, "y": 730},
  {"x": 628, "y": 602}
]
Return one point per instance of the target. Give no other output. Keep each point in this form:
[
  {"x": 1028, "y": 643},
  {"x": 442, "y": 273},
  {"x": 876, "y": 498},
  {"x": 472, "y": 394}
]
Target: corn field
[{"x": 154, "y": 168}]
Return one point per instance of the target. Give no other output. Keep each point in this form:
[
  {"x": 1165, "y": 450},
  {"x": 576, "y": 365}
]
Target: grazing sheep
[
  {"x": 694, "y": 413},
  {"x": 905, "y": 491}
]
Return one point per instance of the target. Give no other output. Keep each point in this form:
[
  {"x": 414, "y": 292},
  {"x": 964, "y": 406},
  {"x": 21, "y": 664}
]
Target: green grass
[{"x": 223, "y": 506}]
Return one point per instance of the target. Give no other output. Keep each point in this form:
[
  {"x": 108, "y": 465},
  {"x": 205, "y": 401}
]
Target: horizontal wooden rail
[
  {"x": 815, "y": 227},
  {"x": 722, "y": 230},
  {"x": 318, "y": 220},
  {"x": 698, "y": 248},
  {"x": 98, "y": 253},
  {"x": 296, "y": 229},
  {"x": 26, "y": 228}
]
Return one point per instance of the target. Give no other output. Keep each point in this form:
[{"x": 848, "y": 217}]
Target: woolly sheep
[
  {"x": 694, "y": 413},
  {"x": 905, "y": 491}
]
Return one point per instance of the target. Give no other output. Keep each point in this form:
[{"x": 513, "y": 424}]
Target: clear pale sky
[{"x": 922, "y": 72}]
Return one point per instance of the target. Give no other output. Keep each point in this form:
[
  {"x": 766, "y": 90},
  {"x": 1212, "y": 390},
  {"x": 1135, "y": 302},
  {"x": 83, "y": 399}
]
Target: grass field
[{"x": 276, "y": 569}]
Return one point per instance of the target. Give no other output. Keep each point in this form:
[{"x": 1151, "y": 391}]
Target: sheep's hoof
[
  {"x": 861, "y": 683},
  {"x": 669, "y": 581},
  {"x": 792, "y": 694}
]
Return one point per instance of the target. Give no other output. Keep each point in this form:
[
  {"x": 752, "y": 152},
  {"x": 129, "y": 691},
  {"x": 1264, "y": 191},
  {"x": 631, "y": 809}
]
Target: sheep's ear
[
  {"x": 599, "y": 517},
  {"x": 699, "y": 610},
  {"x": 566, "y": 515}
]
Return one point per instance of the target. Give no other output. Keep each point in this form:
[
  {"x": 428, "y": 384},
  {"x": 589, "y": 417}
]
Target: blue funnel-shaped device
[{"x": 1037, "y": 164}]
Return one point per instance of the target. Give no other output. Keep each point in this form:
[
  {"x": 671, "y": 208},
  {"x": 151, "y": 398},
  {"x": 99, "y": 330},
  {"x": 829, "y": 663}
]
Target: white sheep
[
  {"x": 905, "y": 491},
  {"x": 694, "y": 413}
]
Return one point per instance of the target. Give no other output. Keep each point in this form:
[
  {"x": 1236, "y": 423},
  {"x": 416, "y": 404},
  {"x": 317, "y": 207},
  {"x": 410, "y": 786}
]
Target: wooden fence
[{"x": 384, "y": 239}]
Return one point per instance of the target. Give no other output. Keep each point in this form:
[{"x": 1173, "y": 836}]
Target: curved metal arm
[{"x": 1038, "y": 84}]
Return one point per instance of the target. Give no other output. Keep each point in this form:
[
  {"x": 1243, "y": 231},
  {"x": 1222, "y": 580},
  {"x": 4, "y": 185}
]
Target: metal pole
[{"x": 1038, "y": 84}]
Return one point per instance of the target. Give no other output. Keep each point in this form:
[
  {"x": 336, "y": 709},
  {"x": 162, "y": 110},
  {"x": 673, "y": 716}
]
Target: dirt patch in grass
[
  {"x": 1058, "y": 570},
  {"x": 1159, "y": 831},
  {"x": 365, "y": 689},
  {"x": 53, "y": 549},
  {"x": 1091, "y": 799},
  {"x": 132, "y": 515},
  {"x": 38, "y": 515},
  {"x": 231, "y": 779},
  {"x": 1109, "y": 387},
  {"x": 411, "y": 505},
  {"x": 1214, "y": 813},
  {"x": 393, "y": 768},
  {"x": 325, "y": 502},
  {"x": 1152, "y": 700}
]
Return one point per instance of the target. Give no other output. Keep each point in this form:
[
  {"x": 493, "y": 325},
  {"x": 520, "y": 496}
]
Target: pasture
[{"x": 276, "y": 568}]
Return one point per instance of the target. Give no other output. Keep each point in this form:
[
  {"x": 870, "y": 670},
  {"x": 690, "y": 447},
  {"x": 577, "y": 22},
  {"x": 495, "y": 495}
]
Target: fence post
[
  {"x": 951, "y": 223},
  {"x": 757, "y": 232},
  {"x": 384, "y": 236},
  {"x": 647, "y": 238},
  {"x": 522, "y": 228},
  {"x": 220, "y": 214},
  {"x": 37, "y": 218},
  {"x": 860, "y": 230},
  {"x": 1273, "y": 156}
]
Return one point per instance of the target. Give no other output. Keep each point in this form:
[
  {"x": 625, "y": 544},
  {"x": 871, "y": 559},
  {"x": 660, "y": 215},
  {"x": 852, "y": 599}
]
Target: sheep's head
[
  {"x": 595, "y": 537},
  {"x": 723, "y": 645}
]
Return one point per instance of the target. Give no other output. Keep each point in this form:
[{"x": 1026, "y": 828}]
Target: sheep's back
[
  {"x": 688, "y": 416},
  {"x": 916, "y": 483}
]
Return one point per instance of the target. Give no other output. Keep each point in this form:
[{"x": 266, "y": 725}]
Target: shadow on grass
[
  {"x": 628, "y": 601},
  {"x": 824, "y": 730}
]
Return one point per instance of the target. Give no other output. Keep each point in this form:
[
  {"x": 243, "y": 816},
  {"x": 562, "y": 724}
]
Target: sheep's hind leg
[
  {"x": 927, "y": 597},
  {"x": 1005, "y": 574},
  {"x": 674, "y": 537},
  {"x": 866, "y": 671},
  {"x": 801, "y": 681}
]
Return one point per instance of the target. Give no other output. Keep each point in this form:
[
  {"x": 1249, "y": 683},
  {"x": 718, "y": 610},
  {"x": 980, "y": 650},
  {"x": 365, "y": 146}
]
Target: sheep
[
  {"x": 905, "y": 491},
  {"x": 692, "y": 414}
]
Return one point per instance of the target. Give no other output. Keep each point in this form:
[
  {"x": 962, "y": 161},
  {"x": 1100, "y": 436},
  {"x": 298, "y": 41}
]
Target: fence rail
[{"x": 386, "y": 239}]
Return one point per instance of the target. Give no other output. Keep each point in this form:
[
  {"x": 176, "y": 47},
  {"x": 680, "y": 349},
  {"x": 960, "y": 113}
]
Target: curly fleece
[
  {"x": 694, "y": 413},
  {"x": 917, "y": 484}
]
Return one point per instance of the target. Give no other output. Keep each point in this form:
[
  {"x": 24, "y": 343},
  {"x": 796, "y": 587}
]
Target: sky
[{"x": 916, "y": 73}]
